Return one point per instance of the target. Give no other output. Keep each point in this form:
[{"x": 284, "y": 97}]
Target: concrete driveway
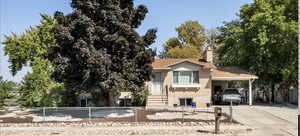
[{"x": 267, "y": 120}]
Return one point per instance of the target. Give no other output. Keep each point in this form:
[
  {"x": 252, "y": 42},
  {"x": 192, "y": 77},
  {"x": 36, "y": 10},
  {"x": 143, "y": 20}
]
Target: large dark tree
[{"x": 99, "y": 50}]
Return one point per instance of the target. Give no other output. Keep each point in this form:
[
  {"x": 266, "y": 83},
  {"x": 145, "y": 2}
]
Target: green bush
[
  {"x": 38, "y": 89},
  {"x": 5, "y": 90},
  {"x": 141, "y": 96}
]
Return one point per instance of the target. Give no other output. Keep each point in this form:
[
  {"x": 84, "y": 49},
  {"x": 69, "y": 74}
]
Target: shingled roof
[
  {"x": 232, "y": 72},
  {"x": 218, "y": 73}
]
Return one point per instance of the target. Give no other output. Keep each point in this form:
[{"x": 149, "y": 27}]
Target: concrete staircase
[{"x": 157, "y": 100}]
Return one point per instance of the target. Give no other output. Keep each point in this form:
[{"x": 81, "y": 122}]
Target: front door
[{"x": 157, "y": 83}]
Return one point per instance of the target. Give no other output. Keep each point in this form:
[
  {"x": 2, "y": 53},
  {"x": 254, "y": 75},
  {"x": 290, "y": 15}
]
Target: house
[{"x": 181, "y": 82}]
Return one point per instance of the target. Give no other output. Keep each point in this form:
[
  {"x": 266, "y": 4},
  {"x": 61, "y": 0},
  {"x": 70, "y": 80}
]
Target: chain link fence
[
  {"x": 114, "y": 114},
  {"x": 120, "y": 114}
]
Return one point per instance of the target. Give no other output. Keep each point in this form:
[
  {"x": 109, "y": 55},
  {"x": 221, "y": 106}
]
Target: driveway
[{"x": 267, "y": 120}]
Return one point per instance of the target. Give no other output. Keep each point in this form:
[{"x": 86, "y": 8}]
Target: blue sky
[{"x": 165, "y": 15}]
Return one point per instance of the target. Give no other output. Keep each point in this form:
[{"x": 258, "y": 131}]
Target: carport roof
[{"x": 231, "y": 73}]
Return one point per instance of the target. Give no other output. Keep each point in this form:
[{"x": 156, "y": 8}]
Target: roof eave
[
  {"x": 161, "y": 68},
  {"x": 234, "y": 78}
]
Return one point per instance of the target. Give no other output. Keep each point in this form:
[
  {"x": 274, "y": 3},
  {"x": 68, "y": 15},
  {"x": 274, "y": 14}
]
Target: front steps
[{"x": 157, "y": 100}]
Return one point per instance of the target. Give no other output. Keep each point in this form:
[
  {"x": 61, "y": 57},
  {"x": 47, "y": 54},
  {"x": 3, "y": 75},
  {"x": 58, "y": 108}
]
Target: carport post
[{"x": 250, "y": 92}]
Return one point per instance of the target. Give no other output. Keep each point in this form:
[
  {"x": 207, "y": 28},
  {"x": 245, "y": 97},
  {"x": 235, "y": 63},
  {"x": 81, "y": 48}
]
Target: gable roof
[
  {"x": 218, "y": 73},
  {"x": 166, "y": 63}
]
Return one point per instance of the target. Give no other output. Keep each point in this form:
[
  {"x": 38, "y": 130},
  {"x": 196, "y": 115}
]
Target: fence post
[
  {"x": 44, "y": 114},
  {"x": 218, "y": 114},
  {"x": 182, "y": 118},
  {"x": 90, "y": 114},
  {"x": 136, "y": 115},
  {"x": 207, "y": 112}
]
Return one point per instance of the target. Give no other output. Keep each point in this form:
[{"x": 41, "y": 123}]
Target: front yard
[
  {"x": 107, "y": 122},
  {"x": 250, "y": 121},
  {"x": 36, "y": 115}
]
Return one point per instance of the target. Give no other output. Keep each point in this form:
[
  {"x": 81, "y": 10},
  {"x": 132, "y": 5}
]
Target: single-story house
[{"x": 183, "y": 81}]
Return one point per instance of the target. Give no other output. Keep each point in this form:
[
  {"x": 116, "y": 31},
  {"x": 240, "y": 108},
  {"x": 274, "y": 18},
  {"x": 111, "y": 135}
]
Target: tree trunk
[
  {"x": 287, "y": 96},
  {"x": 273, "y": 93},
  {"x": 112, "y": 99}
]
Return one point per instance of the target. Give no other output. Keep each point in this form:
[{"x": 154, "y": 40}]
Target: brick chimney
[{"x": 208, "y": 55}]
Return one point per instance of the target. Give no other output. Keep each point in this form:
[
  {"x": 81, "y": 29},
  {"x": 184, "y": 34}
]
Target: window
[
  {"x": 124, "y": 102},
  {"x": 175, "y": 76},
  {"x": 185, "y": 101},
  {"x": 83, "y": 103},
  {"x": 185, "y": 77},
  {"x": 195, "y": 77}
]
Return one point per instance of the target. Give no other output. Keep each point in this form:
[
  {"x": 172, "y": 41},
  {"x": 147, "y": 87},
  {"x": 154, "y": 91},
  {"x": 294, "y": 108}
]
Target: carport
[{"x": 221, "y": 76}]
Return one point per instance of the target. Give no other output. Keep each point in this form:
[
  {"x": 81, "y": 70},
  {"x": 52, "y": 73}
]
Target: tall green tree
[
  {"x": 265, "y": 41},
  {"x": 6, "y": 88},
  {"x": 99, "y": 50},
  {"x": 191, "y": 37},
  {"x": 23, "y": 49},
  {"x": 30, "y": 47},
  {"x": 231, "y": 52},
  {"x": 184, "y": 52},
  {"x": 39, "y": 90}
]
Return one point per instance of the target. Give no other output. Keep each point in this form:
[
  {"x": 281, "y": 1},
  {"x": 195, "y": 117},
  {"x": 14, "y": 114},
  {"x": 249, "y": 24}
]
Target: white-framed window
[{"x": 186, "y": 77}]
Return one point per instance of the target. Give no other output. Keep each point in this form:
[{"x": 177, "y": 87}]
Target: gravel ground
[
  {"x": 138, "y": 115},
  {"x": 180, "y": 115},
  {"x": 151, "y": 123},
  {"x": 124, "y": 129}
]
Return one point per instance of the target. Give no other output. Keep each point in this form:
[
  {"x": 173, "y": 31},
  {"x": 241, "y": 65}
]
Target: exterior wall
[
  {"x": 201, "y": 95},
  {"x": 125, "y": 94}
]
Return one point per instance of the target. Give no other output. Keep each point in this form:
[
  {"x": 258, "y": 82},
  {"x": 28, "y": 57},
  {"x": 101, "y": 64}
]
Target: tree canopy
[
  {"x": 191, "y": 39},
  {"x": 33, "y": 43},
  {"x": 99, "y": 50},
  {"x": 264, "y": 40},
  {"x": 37, "y": 87}
]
